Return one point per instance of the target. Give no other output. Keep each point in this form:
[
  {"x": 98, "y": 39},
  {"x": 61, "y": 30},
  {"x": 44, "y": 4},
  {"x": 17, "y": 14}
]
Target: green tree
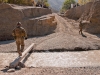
[
  {"x": 43, "y": 2},
  {"x": 12, "y": 1},
  {"x": 82, "y": 2},
  {"x": 67, "y": 4},
  {"x": 21, "y": 2},
  {"x": 3, "y": 1}
]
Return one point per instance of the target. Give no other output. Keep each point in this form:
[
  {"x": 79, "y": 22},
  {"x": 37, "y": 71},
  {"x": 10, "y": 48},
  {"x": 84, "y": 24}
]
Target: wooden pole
[{"x": 19, "y": 58}]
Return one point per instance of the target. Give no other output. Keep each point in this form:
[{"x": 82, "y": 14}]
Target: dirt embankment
[
  {"x": 67, "y": 37},
  {"x": 76, "y": 13},
  {"x": 36, "y": 20}
]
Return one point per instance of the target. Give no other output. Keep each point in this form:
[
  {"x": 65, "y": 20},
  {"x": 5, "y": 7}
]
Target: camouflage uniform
[
  {"x": 19, "y": 34},
  {"x": 80, "y": 27}
]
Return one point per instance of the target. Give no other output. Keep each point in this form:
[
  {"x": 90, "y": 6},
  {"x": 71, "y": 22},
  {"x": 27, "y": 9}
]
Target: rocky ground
[
  {"x": 55, "y": 71},
  {"x": 65, "y": 38}
]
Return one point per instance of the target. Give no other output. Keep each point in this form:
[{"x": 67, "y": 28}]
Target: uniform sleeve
[
  {"x": 24, "y": 32},
  {"x": 13, "y": 33}
]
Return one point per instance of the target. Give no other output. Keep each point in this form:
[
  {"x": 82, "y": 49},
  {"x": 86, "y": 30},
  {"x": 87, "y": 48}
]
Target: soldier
[
  {"x": 80, "y": 27},
  {"x": 19, "y": 35}
]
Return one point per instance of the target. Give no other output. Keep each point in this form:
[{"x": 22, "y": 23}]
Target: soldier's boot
[
  {"x": 22, "y": 48},
  {"x": 79, "y": 32},
  {"x": 20, "y": 54}
]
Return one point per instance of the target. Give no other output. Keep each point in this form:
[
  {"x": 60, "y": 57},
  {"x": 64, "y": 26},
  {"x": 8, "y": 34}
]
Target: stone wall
[{"x": 11, "y": 14}]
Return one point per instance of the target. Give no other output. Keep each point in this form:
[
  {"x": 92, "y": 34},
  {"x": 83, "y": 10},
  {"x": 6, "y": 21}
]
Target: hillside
[{"x": 87, "y": 11}]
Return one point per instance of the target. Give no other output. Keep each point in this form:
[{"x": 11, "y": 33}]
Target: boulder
[{"x": 42, "y": 25}]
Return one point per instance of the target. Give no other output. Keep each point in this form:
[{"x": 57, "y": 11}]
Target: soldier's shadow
[
  {"x": 4, "y": 70},
  {"x": 84, "y": 35}
]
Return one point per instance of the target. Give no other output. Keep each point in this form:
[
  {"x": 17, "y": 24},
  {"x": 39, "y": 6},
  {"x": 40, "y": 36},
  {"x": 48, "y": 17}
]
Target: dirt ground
[
  {"x": 54, "y": 71},
  {"x": 56, "y": 40}
]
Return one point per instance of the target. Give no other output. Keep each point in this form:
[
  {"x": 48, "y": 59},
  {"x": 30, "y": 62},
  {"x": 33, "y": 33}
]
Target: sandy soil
[{"x": 54, "y": 71}]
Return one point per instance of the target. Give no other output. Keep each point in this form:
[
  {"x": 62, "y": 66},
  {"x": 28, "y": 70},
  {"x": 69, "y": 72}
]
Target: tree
[
  {"x": 67, "y": 4},
  {"x": 21, "y": 2},
  {"x": 26, "y": 2},
  {"x": 43, "y": 3},
  {"x": 1, "y": 1},
  {"x": 82, "y": 2}
]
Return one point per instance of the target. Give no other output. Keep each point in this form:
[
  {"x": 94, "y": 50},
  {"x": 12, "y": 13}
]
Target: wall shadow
[{"x": 6, "y": 42}]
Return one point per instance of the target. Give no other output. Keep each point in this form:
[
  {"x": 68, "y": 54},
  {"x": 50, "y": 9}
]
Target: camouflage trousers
[{"x": 20, "y": 45}]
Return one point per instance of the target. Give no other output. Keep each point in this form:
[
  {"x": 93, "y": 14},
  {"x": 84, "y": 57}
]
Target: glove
[{"x": 25, "y": 38}]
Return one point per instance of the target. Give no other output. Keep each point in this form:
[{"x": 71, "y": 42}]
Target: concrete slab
[{"x": 64, "y": 59}]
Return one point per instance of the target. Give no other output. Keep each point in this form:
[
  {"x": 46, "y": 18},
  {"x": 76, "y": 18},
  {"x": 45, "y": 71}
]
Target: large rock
[
  {"x": 41, "y": 25},
  {"x": 11, "y": 14},
  {"x": 76, "y": 13}
]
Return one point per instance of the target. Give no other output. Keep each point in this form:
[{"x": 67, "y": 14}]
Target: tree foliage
[
  {"x": 21, "y": 2},
  {"x": 82, "y": 2},
  {"x": 46, "y": 3},
  {"x": 24, "y": 2},
  {"x": 43, "y": 2},
  {"x": 3, "y": 1},
  {"x": 67, "y": 4}
]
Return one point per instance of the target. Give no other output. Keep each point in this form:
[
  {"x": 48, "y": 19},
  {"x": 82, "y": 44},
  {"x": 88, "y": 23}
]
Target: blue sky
[{"x": 76, "y": 0}]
